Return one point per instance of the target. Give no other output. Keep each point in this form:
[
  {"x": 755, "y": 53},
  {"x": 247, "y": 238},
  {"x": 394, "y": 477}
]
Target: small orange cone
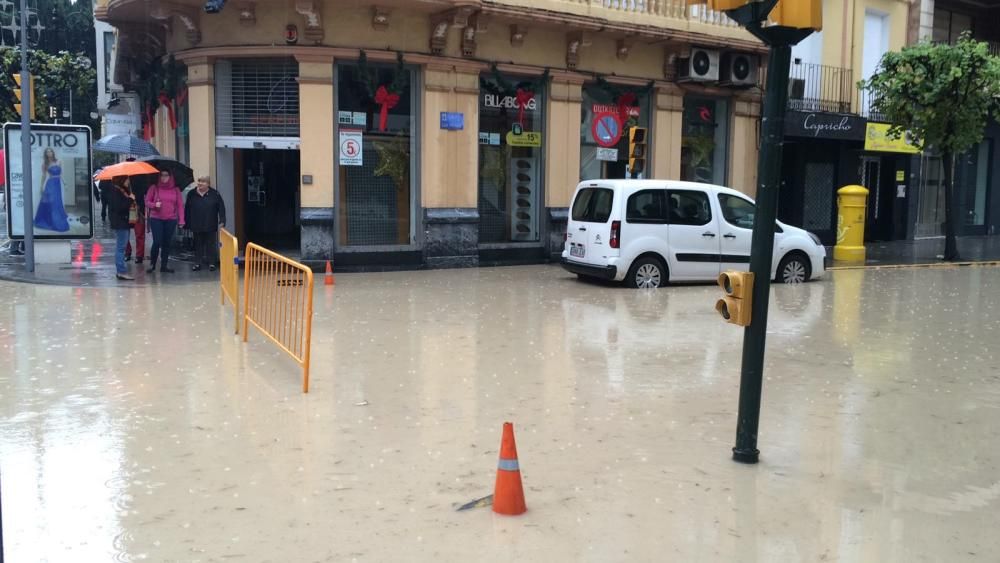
[
  {"x": 328, "y": 279},
  {"x": 508, "y": 495}
]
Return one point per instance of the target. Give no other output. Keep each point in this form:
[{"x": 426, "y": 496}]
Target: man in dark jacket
[
  {"x": 205, "y": 212},
  {"x": 103, "y": 193}
]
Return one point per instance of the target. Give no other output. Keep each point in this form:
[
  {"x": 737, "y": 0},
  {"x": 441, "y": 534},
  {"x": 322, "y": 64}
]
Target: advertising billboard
[{"x": 61, "y": 178}]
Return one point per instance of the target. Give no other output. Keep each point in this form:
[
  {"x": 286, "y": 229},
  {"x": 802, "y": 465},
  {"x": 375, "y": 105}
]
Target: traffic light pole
[
  {"x": 780, "y": 39},
  {"x": 26, "y": 101}
]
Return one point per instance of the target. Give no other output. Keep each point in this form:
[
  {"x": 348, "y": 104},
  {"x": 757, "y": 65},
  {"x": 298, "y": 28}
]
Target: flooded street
[{"x": 134, "y": 425}]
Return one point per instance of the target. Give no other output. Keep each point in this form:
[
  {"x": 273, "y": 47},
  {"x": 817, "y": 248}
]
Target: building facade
[{"x": 440, "y": 133}]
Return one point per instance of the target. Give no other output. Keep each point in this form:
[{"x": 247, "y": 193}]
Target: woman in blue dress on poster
[{"x": 51, "y": 213}]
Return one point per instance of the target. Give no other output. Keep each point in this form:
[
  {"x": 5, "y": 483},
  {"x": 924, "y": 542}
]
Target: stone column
[
  {"x": 743, "y": 144},
  {"x": 667, "y": 122},
  {"x": 201, "y": 107},
  {"x": 562, "y": 155},
  {"x": 450, "y": 167},
  {"x": 316, "y": 156}
]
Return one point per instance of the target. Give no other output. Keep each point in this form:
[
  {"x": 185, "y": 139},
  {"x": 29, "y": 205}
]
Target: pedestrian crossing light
[
  {"x": 636, "y": 150},
  {"x": 737, "y": 303},
  {"x": 802, "y": 14},
  {"x": 18, "y": 94}
]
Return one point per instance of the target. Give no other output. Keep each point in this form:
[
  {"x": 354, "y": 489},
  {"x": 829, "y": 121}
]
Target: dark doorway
[
  {"x": 809, "y": 187},
  {"x": 268, "y": 197},
  {"x": 876, "y": 174}
]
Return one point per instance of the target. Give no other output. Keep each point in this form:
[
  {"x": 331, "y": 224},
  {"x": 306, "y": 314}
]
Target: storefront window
[
  {"x": 375, "y": 140},
  {"x": 511, "y": 113},
  {"x": 704, "y": 140},
  {"x": 616, "y": 108}
]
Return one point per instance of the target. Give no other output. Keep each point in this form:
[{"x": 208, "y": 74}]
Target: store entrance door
[
  {"x": 267, "y": 198},
  {"x": 879, "y": 223}
]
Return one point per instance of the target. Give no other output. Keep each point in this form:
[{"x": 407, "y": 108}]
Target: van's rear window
[{"x": 593, "y": 205}]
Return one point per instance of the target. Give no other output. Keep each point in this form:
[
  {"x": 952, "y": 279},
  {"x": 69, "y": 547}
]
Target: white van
[{"x": 649, "y": 232}]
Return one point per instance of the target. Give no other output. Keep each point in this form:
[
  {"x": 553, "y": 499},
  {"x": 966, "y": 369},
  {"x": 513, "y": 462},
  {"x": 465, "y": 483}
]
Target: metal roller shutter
[{"x": 257, "y": 98}]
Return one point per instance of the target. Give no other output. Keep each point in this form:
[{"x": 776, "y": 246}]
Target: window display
[
  {"x": 607, "y": 112},
  {"x": 705, "y": 140},
  {"x": 510, "y": 154},
  {"x": 376, "y": 147}
]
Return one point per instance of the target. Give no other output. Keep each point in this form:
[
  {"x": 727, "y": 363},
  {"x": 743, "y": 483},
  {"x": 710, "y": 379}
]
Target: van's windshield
[{"x": 593, "y": 205}]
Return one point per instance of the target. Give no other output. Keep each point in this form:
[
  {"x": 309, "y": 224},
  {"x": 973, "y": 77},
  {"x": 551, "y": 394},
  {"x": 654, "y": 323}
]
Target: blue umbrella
[{"x": 125, "y": 144}]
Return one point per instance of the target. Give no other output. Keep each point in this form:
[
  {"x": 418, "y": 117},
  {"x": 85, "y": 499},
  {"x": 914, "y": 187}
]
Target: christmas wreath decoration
[
  {"x": 160, "y": 85},
  {"x": 386, "y": 95},
  {"x": 623, "y": 97},
  {"x": 523, "y": 91}
]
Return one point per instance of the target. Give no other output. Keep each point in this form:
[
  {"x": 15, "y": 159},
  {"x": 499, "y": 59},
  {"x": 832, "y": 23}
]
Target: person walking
[
  {"x": 123, "y": 213},
  {"x": 166, "y": 212},
  {"x": 139, "y": 188},
  {"x": 205, "y": 213}
]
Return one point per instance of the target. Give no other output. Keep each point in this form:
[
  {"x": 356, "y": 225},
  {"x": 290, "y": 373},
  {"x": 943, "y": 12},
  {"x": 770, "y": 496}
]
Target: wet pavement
[{"x": 135, "y": 426}]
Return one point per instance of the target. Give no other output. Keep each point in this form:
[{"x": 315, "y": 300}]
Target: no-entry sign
[{"x": 607, "y": 129}]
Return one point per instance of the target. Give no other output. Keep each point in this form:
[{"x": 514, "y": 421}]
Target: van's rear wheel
[{"x": 647, "y": 272}]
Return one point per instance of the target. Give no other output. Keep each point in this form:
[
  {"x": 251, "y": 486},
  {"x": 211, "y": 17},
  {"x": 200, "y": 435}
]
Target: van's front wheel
[{"x": 647, "y": 272}]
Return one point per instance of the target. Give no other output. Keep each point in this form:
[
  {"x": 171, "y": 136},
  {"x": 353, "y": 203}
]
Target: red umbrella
[{"x": 3, "y": 175}]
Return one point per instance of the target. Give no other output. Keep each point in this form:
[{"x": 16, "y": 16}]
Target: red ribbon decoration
[
  {"x": 165, "y": 101},
  {"x": 149, "y": 127},
  {"x": 182, "y": 97},
  {"x": 523, "y": 98},
  {"x": 387, "y": 101},
  {"x": 624, "y": 103}
]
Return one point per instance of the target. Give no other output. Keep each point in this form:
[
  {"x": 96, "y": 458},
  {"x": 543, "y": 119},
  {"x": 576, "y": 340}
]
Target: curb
[{"x": 988, "y": 263}]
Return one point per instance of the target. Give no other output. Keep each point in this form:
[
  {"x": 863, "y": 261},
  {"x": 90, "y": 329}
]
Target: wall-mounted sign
[
  {"x": 822, "y": 125},
  {"x": 877, "y": 139},
  {"x": 633, "y": 111},
  {"x": 606, "y": 129},
  {"x": 452, "y": 121},
  {"x": 525, "y": 139},
  {"x": 351, "y": 147}
]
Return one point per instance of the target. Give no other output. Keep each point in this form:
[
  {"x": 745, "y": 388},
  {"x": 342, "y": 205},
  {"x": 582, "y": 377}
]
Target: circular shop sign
[{"x": 607, "y": 129}]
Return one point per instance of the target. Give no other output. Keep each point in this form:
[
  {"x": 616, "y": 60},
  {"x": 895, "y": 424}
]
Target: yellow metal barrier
[
  {"x": 229, "y": 272},
  {"x": 278, "y": 300}
]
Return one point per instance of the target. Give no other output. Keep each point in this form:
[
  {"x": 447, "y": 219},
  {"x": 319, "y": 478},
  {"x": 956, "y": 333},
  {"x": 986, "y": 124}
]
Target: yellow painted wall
[
  {"x": 667, "y": 128},
  {"x": 743, "y": 147},
  {"x": 450, "y": 159},
  {"x": 562, "y": 148},
  {"x": 316, "y": 124},
  {"x": 201, "y": 98}
]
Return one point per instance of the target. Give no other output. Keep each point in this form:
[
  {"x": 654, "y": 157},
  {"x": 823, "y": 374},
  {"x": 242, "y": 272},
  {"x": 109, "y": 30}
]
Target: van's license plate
[{"x": 577, "y": 250}]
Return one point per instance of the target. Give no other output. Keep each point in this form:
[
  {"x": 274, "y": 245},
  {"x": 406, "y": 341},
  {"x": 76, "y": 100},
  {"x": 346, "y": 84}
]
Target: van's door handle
[
  {"x": 708, "y": 234},
  {"x": 583, "y": 228},
  {"x": 729, "y": 235}
]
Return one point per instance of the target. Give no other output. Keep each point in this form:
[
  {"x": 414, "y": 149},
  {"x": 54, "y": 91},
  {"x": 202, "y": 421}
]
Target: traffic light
[
  {"x": 17, "y": 94},
  {"x": 803, "y": 14},
  {"x": 736, "y": 305},
  {"x": 636, "y": 150}
]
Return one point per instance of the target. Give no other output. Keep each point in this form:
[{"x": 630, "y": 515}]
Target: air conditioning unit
[
  {"x": 739, "y": 69},
  {"x": 701, "y": 66}
]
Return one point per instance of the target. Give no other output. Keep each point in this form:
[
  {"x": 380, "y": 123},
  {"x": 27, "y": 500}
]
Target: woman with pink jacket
[{"x": 165, "y": 206}]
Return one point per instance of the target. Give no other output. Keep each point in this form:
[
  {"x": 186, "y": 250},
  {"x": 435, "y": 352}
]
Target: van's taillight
[{"x": 616, "y": 232}]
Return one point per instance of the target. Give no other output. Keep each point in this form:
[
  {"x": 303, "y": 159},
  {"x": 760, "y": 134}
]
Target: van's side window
[
  {"x": 647, "y": 206},
  {"x": 688, "y": 208},
  {"x": 593, "y": 205},
  {"x": 737, "y": 211}
]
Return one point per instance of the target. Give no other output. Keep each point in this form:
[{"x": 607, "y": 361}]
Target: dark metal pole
[
  {"x": 26, "y": 101},
  {"x": 762, "y": 246}
]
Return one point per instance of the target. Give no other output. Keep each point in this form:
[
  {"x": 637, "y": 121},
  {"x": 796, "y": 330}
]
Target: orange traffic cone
[
  {"x": 328, "y": 279},
  {"x": 508, "y": 495}
]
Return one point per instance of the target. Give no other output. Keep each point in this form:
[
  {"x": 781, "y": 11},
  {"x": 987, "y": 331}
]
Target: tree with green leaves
[
  {"x": 54, "y": 75},
  {"x": 942, "y": 96}
]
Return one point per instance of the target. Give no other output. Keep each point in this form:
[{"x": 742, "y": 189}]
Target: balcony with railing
[{"x": 815, "y": 87}]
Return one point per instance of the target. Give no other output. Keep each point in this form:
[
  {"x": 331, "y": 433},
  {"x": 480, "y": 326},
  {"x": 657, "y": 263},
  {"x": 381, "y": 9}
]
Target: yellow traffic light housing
[
  {"x": 18, "y": 94},
  {"x": 801, "y": 14},
  {"x": 737, "y": 303},
  {"x": 636, "y": 150}
]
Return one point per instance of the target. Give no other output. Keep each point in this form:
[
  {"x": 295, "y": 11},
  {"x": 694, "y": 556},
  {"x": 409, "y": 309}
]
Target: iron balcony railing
[{"x": 815, "y": 87}]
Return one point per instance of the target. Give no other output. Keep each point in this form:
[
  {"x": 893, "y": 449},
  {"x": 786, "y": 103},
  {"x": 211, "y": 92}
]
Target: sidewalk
[
  {"x": 93, "y": 265},
  {"x": 926, "y": 251}
]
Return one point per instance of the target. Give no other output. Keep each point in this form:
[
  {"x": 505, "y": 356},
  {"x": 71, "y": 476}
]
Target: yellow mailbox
[{"x": 852, "y": 201}]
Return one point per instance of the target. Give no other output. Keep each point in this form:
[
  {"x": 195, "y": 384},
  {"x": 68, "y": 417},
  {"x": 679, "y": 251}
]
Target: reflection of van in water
[{"x": 649, "y": 232}]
